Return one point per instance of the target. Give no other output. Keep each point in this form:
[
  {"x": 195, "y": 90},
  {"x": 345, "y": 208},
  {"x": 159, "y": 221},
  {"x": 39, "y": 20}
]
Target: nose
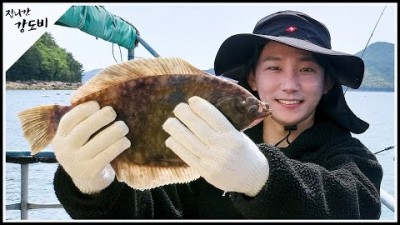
[{"x": 290, "y": 81}]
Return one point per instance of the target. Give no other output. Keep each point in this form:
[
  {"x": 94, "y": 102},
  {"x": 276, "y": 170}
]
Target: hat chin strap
[{"x": 289, "y": 128}]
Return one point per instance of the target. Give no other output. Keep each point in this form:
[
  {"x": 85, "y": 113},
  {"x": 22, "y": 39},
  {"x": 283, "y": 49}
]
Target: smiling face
[{"x": 291, "y": 81}]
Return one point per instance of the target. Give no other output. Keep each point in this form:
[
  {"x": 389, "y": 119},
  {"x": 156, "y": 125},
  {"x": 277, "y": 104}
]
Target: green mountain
[
  {"x": 45, "y": 61},
  {"x": 89, "y": 74},
  {"x": 379, "y": 67}
]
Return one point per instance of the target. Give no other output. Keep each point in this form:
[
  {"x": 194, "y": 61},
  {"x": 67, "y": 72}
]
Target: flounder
[{"x": 144, "y": 92}]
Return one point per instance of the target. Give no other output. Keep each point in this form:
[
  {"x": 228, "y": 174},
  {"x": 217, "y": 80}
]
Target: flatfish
[{"x": 144, "y": 92}]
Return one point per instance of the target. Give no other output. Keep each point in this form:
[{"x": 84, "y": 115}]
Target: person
[{"x": 302, "y": 162}]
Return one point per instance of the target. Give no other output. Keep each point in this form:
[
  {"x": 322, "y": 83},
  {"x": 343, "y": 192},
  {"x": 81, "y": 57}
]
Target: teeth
[{"x": 289, "y": 102}]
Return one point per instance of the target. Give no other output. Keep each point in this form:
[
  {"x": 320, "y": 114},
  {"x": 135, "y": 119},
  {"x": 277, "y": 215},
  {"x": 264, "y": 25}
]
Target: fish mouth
[{"x": 257, "y": 109}]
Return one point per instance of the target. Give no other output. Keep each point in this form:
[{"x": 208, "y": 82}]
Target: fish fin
[
  {"x": 147, "y": 177},
  {"x": 134, "y": 69},
  {"x": 39, "y": 125}
]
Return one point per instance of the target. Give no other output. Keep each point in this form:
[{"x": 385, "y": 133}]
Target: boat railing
[{"x": 25, "y": 158}]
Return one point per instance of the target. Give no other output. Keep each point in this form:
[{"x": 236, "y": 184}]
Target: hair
[{"x": 250, "y": 67}]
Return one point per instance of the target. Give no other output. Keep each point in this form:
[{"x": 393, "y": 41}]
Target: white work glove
[
  {"x": 212, "y": 146},
  {"x": 88, "y": 162}
]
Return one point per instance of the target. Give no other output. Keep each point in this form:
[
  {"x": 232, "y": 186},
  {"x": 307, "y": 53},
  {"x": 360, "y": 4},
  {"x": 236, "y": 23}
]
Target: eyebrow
[{"x": 305, "y": 58}]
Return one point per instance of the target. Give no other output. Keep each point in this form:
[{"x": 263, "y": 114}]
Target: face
[{"x": 290, "y": 81}]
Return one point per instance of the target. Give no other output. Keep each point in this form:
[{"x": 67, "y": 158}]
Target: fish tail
[{"x": 39, "y": 124}]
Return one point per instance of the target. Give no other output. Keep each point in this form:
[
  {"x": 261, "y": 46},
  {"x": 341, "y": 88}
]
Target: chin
[{"x": 286, "y": 122}]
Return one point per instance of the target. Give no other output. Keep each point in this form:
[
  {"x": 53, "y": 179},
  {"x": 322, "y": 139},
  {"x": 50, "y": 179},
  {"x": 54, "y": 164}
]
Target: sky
[{"x": 192, "y": 31}]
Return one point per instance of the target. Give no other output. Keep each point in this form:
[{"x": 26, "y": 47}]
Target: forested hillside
[
  {"x": 45, "y": 61},
  {"x": 379, "y": 67}
]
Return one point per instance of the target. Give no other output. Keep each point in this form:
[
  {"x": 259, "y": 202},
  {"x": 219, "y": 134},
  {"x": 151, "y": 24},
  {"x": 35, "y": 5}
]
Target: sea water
[{"x": 377, "y": 108}]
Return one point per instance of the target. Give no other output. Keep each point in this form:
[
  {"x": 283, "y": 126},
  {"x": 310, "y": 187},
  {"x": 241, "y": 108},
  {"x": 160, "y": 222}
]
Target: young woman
[{"x": 299, "y": 163}]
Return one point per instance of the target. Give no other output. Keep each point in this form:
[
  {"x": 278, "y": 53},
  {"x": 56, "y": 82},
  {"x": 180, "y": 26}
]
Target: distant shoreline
[
  {"x": 58, "y": 85},
  {"x": 42, "y": 85}
]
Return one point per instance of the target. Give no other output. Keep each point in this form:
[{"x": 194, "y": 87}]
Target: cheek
[
  {"x": 320, "y": 86},
  {"x": 266, "y": 88},
  {"x": 313, "y": 83},
  {"x": 267, "y": 83},
  {"x": 314, "y": 90}
]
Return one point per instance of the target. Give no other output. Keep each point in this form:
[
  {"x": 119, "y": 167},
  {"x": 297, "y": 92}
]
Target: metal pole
[
  {"x": 147, "y": 46},
  {"x": 131, "y": 53},
  {"x": 24, "y": 191},
  {"x": 387, "y": 200}
]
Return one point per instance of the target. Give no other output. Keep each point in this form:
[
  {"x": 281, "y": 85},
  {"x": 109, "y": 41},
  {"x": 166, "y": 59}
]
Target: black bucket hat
[{"x": 298, "y": 30}]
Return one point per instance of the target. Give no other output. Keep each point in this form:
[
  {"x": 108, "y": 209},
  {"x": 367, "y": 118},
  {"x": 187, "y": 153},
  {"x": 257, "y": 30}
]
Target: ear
[{"x": 251, "y": 79}]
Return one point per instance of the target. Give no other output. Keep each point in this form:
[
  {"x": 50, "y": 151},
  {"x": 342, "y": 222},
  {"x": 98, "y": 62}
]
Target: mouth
[{"x": 289, "y": 101}]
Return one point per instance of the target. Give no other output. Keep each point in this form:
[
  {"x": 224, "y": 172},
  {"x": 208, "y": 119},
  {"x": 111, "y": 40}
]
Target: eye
[
  {"x": 273, "y": 68},
  {"x": 307, "y": 70}
]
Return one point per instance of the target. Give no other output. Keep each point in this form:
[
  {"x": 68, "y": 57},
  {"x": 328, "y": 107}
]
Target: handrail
[
  {"x": 387, "y": 200},
  {"x": 25, "y": 158}
]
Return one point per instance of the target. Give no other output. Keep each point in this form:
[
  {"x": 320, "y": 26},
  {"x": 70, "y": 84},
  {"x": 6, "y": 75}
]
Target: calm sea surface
[{"x": 377, "y": 108}]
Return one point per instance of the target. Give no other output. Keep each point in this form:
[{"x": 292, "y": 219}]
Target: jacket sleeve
[
  {"x": 118, "y": 201},
  {"x": 343, "y": 182}
]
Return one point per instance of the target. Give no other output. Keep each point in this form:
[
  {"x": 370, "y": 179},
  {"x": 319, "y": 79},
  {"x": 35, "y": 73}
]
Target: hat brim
[{"x": 236, "y": 50}]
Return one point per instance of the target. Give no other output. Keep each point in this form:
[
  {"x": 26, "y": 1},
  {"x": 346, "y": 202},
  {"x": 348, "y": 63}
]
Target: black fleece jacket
[{"x": 324, "y": 174}]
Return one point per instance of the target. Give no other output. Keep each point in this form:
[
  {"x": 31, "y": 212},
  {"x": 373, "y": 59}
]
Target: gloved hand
[
  {"x": 211, "y": 145},
  {"x": 88, "y": 162}
]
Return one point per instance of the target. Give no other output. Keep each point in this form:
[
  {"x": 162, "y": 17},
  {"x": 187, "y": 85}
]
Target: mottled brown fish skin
[
  {"x": 144, "y": 93},
  {"x": 145, "y": 103}
]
